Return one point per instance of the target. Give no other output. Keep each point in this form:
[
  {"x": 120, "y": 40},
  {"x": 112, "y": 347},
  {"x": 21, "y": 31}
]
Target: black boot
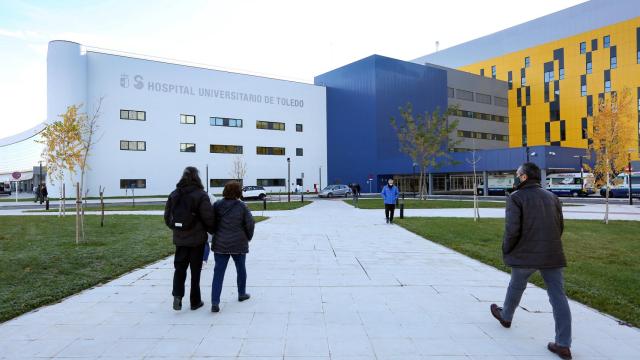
[
  {"x": 244, "y": 297},
  {"x": 177, "y": 303},
  {"x": 215, "y": 308}
]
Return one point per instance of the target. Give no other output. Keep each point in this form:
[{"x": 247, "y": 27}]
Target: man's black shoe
[
  {"x": 215, "y": 308},
  {"x": 387, "y": 221},
  {"x": 197, "y": 306},
  {"x": 496, "y": 311},
  {"x": 177, "y": 303},
  {"x": 244, "y": 297}
]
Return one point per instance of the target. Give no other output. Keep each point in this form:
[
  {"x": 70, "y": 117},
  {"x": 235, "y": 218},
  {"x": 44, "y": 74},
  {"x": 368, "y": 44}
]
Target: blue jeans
[
  {"x": 218, "y": 274},
  {"x": 553, "y": 278}
]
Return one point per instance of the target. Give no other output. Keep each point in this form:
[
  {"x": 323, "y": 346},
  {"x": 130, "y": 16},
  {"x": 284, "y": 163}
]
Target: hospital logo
[
  {"x": 137, "y": 82},
  {"x": 124, "y": 81}
]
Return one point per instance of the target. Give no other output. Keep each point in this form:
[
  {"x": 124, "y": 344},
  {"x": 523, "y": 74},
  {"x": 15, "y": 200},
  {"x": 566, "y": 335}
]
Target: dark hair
[
  {"x": 190, "y": 177},
  {"x": 232, "y": 190},
  {"x": 531, "y": 170}
]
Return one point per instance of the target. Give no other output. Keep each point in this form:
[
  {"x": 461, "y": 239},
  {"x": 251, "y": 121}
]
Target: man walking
[
  {"x": 390, "y": 196},
  {"x": 533, "y": 227}
]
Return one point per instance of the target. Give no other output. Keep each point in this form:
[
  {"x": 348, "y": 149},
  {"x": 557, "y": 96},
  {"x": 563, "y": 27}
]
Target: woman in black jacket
[
  {"x": 233, "y": 230},
  {"x": 189, "y": 214}
]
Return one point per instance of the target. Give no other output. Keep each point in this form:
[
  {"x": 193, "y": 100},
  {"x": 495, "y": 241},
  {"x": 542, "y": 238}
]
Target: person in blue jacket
[{"x": 390, "y": 196}]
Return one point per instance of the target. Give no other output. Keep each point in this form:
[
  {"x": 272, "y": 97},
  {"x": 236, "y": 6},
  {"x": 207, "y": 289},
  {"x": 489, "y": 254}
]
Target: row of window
[
  {"x": 214, "y": 148},
  {"x": 213, "y": 121},
  {"x": 142, "y": 183},
  {"x": 606, "y": 43},
  {"x": 479, "y": 97},
  {"x": 482, "y": 135},
  {"x": 481, "y": 116}
]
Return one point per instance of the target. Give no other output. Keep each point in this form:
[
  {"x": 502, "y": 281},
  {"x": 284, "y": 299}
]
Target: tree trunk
[
  {"x": 420, "y": 185},
  {"x": 78, "y": 202},
  {"x": 606, "y": 208}
]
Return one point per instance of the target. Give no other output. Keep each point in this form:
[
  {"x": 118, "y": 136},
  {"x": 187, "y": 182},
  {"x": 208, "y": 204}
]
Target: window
[
  {"x": 589, "y": 105},
  {"x": 613, "y": 58},
  {"x": 187, "y": 147},
  {"x": 502, "y": 102},
  {"x": 450, "y": 92},
  {"x": 638, "y": 45},
  {"x": 482, "y": 72},
  {"x": 563, "y": 131},
  {"x": 133, "y": 145},
  {"x": 481, "y": 116},
  {"x": 583, "y": 47},
  {"x": 548, "y": 76},
  {"x": 519, "y": 96},
  {"x": 464, "y": 95},
  {"x": 510, "y": 79},
  {"x": 225, "y": 149},
  {"x": 547, "y": 132},
  {"x": 228, "y": 122},
  {"x": 271, "y": 182},
  {"x": 524, "y": 126},
  {"x": 133, "y": 115},
  {"x": 483, "y": 98},
  {"x": 606, "y": 41},
  {"x": 269, "y": 125},
  {"x": 299, "y": 127},
  {"x": 299, "y": 152},
  {"x": 523, "y": 78},
  {"x": 482, "y": 135},
  {"x": 594, "y": 44},
  {"x": 528, "y": 95},
  {"x": 527, "y": 62},
  {"x": 583, "y": 85},
  {"x": 589, "y": 66},
  {"x": 561, "y": 73},
  {"x": 187, "y": 119},
  {"x": 585, "y": 130},
  {"x": 133, "y": 183},
  {"x": 263, "y": 150},
  {"x": 220, "y": 182},
  {"x": 493, "y": 71},
  {"x": 607, "y": 81}
]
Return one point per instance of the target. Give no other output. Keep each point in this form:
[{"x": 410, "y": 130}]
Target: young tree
[
  {"x": 239, "y": 169},
  {"x": 473, "y": 161},
  {"x": 62, "y": 148},
  {"x": 425, "y": 138},
  {"x": 612, "y": 138}
]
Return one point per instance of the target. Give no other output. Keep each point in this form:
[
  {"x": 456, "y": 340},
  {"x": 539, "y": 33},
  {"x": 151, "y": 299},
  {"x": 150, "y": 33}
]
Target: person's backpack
[{"x": 182, "y": 215}]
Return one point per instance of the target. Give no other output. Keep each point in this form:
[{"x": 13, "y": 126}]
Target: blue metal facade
[{"x": 362, "y": 97}]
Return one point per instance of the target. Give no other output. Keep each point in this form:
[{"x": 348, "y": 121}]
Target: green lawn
[
  {"x": 426, "y": 204},
  {"x": 603, "y": 268},
  {"x": 254, "y": 206},
  {"x": 41, "y": 264}
]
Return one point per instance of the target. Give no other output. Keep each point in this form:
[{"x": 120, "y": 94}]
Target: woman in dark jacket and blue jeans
[{"x": 233, "y": 230}]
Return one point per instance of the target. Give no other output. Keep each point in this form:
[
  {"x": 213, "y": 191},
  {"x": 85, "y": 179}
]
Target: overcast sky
[{"x": 289, "y": 39}]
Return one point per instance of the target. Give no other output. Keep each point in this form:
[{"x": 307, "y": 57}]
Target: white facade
[{"x": 165, "y": 91}]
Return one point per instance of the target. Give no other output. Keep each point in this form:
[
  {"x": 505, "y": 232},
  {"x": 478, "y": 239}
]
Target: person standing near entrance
[
  {"x": 532, "y": 242},
  {"x": 390, "y": 196},
  {"x": 189, "y": 214},
  {"x": 44, "y": 193}
]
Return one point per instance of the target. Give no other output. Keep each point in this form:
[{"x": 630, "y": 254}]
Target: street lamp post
[
  {"x": 527, "y": 149},
  {"x": 288, "y": 179},
  {"x": 581, "y": 171},
  {"x": 39, "y": 181}
]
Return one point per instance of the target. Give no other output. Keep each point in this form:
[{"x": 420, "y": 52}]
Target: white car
[{"x": 253, "y": 192}]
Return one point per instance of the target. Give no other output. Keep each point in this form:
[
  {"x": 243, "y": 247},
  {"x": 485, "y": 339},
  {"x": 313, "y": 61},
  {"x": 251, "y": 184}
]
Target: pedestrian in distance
[
  {"x": 532, "y": 242},
  {"x": 189, "y": 214},
  {"x": 390, "y": 195},
  {"x": 233, "y": 230},
  {"x": 44, "y": 193}
]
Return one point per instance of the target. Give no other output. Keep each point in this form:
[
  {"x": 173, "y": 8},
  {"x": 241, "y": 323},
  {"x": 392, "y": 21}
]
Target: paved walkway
[{"x": 327, "y": 282}]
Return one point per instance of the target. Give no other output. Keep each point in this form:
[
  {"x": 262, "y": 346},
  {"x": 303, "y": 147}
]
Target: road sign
[{"x": 16, "y": 175}]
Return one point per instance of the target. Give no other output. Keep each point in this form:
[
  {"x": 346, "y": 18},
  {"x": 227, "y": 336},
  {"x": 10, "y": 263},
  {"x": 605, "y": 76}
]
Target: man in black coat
[
  {"x": 189, "y": 239},
  {"x": 533, "y": 228}
]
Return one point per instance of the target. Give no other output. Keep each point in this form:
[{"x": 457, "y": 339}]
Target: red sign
[{"x": 16, "y": 175}]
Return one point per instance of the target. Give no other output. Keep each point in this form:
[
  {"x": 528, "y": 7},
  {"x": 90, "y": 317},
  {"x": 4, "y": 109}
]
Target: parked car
[
  {"x": 253, "y": 192},
  {"x": 335, "y": 190},
  {"x": 620, "y": 186}
]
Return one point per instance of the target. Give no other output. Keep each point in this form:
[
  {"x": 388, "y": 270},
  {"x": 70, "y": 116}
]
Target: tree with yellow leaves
[
  {"x": 62, "y": 148},
  {"x": 612, "y": 138}
]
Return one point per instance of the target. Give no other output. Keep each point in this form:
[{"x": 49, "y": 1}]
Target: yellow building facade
[{"x": 554, "y": 87}]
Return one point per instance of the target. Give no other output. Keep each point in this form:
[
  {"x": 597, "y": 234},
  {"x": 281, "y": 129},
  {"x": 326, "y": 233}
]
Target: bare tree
[
  {"x": 425, "y": 138},
  {"x": 473, "y": 161},
  {"x": 239, "y": 169}
]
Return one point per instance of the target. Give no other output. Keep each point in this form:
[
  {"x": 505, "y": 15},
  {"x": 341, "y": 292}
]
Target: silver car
[{"x": 335, "y": 190}]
